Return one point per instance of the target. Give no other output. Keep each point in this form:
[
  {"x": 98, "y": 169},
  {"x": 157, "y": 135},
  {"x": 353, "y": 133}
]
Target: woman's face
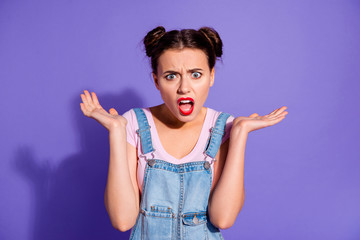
[{"x": 184, "y": 79}]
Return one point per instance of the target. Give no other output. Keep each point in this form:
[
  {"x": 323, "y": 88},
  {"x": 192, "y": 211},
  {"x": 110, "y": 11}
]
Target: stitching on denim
[
  {"x": 145, "y": 182},
  {"x": 135, "y": 227},
  {"x": 181, "y": 165},
  {"x": 142, "y": 227},
  {"x": 181, "y": 203},
  {"x": 216, "y": 135},
  {"x": 181, "y": 169},
  {"x": 205, "y": 232},
  {"x": 171, "y": 217},
  {"x": 144, "y": 131}
]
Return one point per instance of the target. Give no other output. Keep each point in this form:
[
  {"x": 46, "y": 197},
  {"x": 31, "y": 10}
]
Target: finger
[
  {"x": 276, "y": 117},
  {"x": 88, "y": 97},
  {"x": 281, "y": 116},
  {"x": 281, "y": 110},
  {"x": 278, "y": 110},
  {"x": 284, "y": 113},
  {"x": 82, "y": 107},
  {"x": 273, "y": 112},
  {"x": 254, "y": 115},
  {"x": 112, "y": 111},
  {"x": 276, "y": 120},
  {"x": 83, "y": 98},
  {"x": 84, "y": 110},
  {"x": 95, "y": 99}
]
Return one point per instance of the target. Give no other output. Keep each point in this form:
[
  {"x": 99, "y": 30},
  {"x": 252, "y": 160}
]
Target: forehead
[{"x": 176, "y": 59}]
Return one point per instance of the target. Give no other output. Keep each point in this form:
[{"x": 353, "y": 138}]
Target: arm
[
  {"x": 228, "y": 195},
  {"x": 121, "y": 193}
]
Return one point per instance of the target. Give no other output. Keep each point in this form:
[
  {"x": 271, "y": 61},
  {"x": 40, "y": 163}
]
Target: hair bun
[
  {"x": 214, "y": 39},
  {"x": 152, "y": 39}
]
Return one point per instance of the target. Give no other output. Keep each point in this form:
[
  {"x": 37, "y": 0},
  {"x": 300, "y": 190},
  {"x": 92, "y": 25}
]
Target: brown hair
[{"x": 158, "y": 40}]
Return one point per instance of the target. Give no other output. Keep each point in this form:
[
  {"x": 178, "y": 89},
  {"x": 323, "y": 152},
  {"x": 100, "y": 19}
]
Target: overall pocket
[
  {"x": 195, "y": 225},
  {"x": 158, "y": 223}
]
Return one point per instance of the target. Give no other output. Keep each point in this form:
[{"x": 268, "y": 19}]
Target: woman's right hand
[{"x": 91, "y": 108}]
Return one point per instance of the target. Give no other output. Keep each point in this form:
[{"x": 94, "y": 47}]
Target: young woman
[{"x": 176, "y": 170}]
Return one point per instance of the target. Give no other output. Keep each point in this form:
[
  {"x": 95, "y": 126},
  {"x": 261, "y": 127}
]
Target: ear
[
  {"x": 155, "y": 81},
  {"x": 212, "y": 76}
]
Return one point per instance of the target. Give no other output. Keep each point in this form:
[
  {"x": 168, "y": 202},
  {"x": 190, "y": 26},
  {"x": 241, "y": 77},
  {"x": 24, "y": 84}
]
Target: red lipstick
[{"x": 186, "y": 105}]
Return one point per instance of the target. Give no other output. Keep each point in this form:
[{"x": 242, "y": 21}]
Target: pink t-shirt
[{"x": 197, "y": 154}]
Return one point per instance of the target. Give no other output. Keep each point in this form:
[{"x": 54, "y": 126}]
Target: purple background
[{"x": 301, "y": 176}]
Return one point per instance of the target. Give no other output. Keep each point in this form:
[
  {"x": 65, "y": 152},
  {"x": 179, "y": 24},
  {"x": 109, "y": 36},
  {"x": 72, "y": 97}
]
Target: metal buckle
[
  {"x": 206, "y": 165},
  {"x": 151, "y": 162}
]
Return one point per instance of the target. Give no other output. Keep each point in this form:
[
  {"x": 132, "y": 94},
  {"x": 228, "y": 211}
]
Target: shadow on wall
[{"x": 69, "y": 198}]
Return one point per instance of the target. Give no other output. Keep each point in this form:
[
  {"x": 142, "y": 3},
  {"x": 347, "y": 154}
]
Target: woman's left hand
[{"x": 255, "y": 122}]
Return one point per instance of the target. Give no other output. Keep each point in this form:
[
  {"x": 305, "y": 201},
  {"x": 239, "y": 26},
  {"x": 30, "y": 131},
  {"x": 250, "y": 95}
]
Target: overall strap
[
  {"x": 216, "y": 135},
  {"x": 144, "y": 131}
]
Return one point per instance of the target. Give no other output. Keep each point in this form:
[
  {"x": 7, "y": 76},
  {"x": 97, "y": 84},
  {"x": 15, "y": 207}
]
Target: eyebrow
[{"x": 190, "y": 70}]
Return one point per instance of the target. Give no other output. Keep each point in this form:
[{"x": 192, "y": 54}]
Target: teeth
[{"x": 185, "y": 101}]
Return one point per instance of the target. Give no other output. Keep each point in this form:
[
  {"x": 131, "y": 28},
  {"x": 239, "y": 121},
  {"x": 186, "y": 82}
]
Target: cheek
[
  {"x": 204, "y": 87},
  {"x": 206, "y": 90},
  {"x": 166, "y": 93},
  {"x": 205, "y": 95}
]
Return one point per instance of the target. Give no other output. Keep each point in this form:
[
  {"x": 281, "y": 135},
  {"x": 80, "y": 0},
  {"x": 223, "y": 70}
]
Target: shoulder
[
  {"x": 130, "y": 115},
  {"x": 132, "y": 119},
  {"x": 131, "y": 112},
  {"x": 214, "y": 114},
  {"x": 132, "y": 126}
]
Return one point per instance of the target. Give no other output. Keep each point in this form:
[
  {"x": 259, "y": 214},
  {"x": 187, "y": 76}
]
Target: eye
[
  {"x": 170, "y": 76},
  {"x": 196, "y": 75}
]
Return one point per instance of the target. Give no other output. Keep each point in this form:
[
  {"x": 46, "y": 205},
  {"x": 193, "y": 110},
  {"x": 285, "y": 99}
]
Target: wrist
[
  {"x": 238, "y": 131},
  {"x": 117, "y": 127},
  {"x": 117, "y": 131}
]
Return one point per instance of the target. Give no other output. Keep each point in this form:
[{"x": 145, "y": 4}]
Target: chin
[
  {"x": 186, "y": 118},
  {"x": 189, "y": 117}
]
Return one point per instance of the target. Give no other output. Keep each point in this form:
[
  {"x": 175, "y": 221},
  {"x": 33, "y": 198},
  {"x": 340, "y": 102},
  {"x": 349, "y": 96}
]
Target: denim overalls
[{"x": 175, "y": 197}]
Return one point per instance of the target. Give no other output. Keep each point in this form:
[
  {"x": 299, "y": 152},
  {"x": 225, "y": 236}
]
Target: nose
[{"x": 184, "y": 85}]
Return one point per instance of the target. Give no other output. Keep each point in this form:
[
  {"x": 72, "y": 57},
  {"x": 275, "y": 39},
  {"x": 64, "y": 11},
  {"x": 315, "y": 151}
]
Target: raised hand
[
  {"x": 255, "y": 122},
  {"x": 92, "y": 108}
]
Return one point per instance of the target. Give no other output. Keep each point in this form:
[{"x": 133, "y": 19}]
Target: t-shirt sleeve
[
  {"x": 131, "y": 127},
  {"x": 228, "y": 126}
]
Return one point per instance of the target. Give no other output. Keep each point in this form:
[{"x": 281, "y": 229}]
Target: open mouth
[{"x": 186, "y": 105}]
